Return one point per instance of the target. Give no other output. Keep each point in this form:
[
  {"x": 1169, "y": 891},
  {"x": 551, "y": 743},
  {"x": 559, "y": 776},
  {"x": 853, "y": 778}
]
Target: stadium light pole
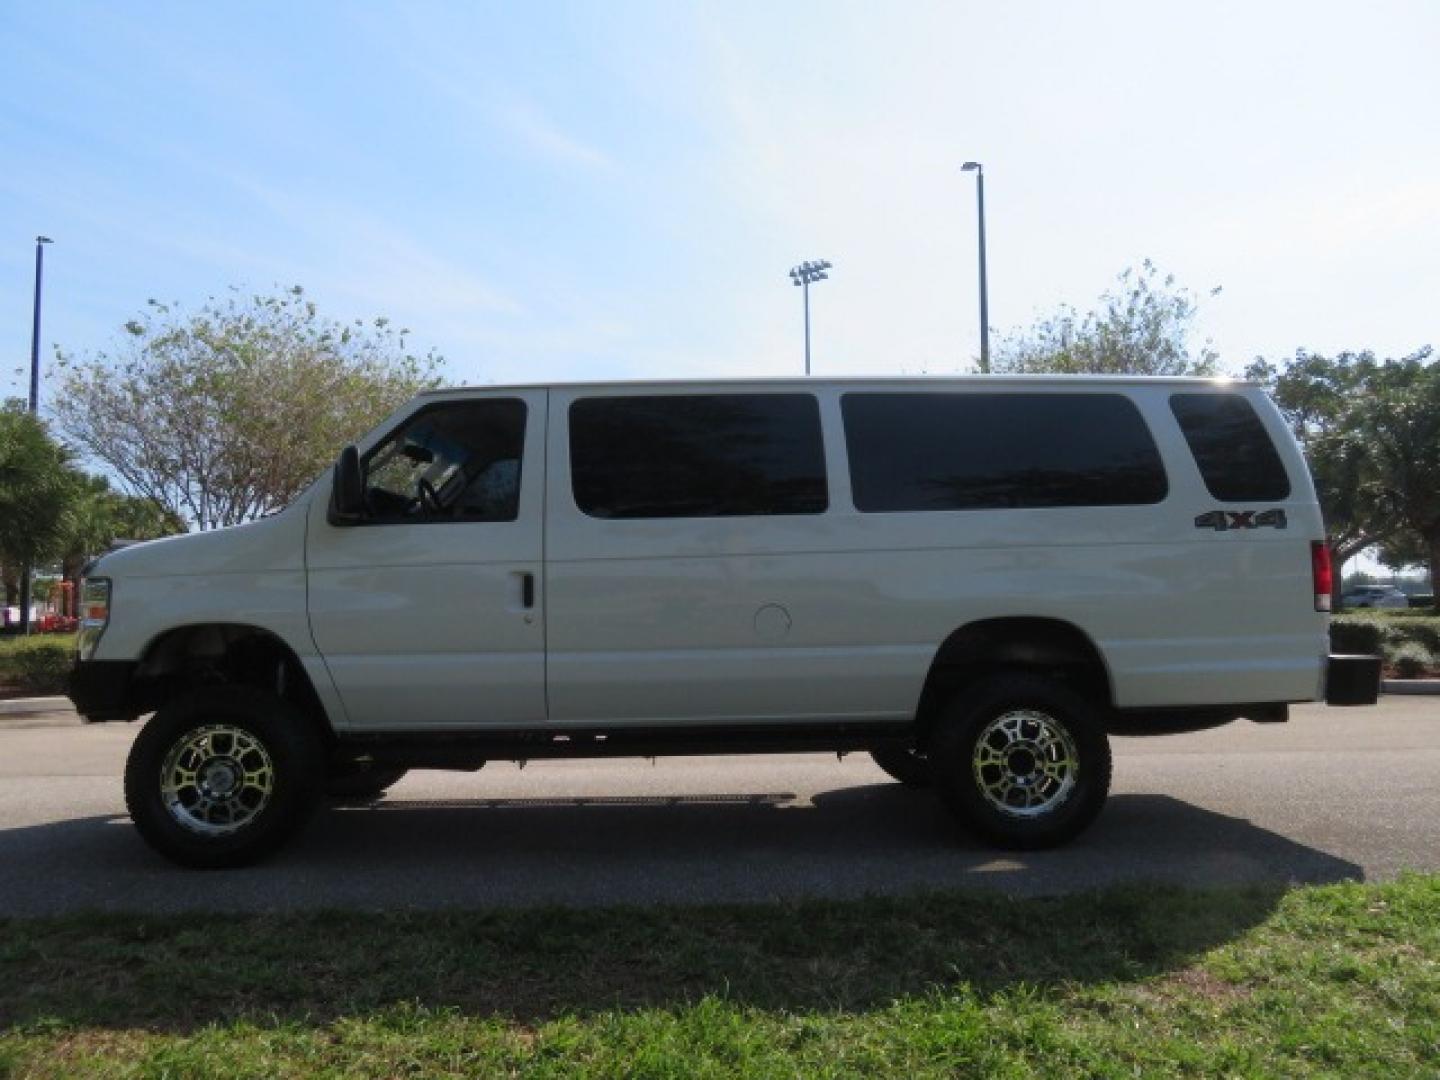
[
  {"x": 804, "y": 275},
  {"x": 979, "y": 171},
  {"x": 40, "y": 242}
]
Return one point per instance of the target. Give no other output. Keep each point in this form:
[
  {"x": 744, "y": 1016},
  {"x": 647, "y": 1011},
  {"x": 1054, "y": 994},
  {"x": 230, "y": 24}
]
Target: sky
[{"x": 551, "y": 191}]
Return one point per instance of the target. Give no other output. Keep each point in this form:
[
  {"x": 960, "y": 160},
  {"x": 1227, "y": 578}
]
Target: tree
[
  {"x": 1400, "y": 418},
  {"x": 1320, "y": 397},
  {"x": 1402, "y": 550},
  {"x": 99, "y": 516},
  {"x": 37, "y": 488},
  {"x": 1362, "y": 425},
  {"x": 1142, "y": 327},
  {"x": 225, "y": 414}
]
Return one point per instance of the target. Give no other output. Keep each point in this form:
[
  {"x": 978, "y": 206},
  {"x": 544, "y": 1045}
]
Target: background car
[{"x": 1374, "y": 596}]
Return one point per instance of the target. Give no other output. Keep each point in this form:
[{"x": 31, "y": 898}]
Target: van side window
[
  {"x": 1231, "y": 446},
  {"x": 992, "y": 451},
  {"x": 697, "y": 455},
  {"x": 454, "y": 461}
]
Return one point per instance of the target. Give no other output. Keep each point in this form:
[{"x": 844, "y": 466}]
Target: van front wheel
[
  {"x": 221, "y": 777},
  {"x": 1022, "y": 761}
]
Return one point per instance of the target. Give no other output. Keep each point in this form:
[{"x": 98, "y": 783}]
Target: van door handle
[{"x": 527, "y": 590}]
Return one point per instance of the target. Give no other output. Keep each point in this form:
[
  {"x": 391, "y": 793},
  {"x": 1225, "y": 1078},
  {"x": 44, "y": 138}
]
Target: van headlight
[{"x": 94, "y": 614}]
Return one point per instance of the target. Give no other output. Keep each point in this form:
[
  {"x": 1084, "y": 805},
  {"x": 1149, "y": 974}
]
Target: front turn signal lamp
[{"x": 94, "y": 614}]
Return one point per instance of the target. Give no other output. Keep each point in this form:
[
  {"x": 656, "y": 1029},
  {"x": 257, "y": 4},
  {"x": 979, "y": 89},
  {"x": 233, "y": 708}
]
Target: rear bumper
[
  {"x": 100, "y": 689},
  {"x": 1352, "y": 680}
]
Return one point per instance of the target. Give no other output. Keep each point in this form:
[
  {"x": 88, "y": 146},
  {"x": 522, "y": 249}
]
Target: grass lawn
[{"x": 1335, "y": 980}]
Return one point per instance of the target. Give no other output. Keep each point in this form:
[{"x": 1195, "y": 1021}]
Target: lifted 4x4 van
[{"x": 975, "y": 580}]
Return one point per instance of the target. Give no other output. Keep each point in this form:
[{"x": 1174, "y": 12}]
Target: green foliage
[
  {"x": 1142, "y": 327},
  {"x": 1321, "y": 397},
  {"x": 1390, "y": 634},
  {"x": 1400, "y": 423},
  {"x": 1371, "y": 433},
  {"x": 1402, "y": 549},
  {"x": 100, "y": 516},
  {"x": 39, "y": 664},
  {"x": 37, "y": 489},
  {"x": 1412, "y": 660},
  {"x": 224, "y": 414},
  {"x": 1356, "y": 636}
]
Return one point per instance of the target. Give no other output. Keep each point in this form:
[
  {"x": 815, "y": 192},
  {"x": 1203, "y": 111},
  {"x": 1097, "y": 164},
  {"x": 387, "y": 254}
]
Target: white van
[{"x": 973, "y": 579}]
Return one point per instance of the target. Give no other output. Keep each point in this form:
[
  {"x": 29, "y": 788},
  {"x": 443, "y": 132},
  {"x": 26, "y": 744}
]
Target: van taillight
[{"x": 1324, "y": 576}]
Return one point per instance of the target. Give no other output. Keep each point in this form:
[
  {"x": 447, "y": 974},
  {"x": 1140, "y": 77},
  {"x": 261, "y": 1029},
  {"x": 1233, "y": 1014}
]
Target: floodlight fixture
[{"x": 805, "y": 275}]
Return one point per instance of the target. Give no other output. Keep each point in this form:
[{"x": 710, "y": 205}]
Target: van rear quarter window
[
  {"x": 697, "y": 455},
  {"x": 992, "y": 451},
  {"x": 1237, "y": 460}
]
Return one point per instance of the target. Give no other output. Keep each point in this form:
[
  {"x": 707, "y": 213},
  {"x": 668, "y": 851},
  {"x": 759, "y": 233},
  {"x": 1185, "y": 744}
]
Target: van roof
[{"x": 813, "y": 380}]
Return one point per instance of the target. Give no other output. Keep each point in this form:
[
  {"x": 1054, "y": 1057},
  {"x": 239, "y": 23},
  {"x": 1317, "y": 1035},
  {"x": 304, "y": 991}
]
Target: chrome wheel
[
  {"x": 216, "y": 779},
  {"x": 1025, "y": 763}
]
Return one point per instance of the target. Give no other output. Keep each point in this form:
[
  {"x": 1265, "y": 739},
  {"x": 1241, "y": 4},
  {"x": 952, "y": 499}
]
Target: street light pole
[
  {"x": 979, "y": 171},
  {"x": 40, "y": 242},
  {"x": 803, "y": 275}
]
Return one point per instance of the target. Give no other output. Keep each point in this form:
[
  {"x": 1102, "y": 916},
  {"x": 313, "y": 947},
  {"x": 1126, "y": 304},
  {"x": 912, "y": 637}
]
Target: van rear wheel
[
  {"x": 221, "y": 777},
  {"x": 1022, "y": 761}
]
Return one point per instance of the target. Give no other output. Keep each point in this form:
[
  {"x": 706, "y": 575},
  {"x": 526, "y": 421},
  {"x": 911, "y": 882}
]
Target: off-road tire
[
  {"x": 1031, "y": 706},
  {"x": 276, "y": 741}
]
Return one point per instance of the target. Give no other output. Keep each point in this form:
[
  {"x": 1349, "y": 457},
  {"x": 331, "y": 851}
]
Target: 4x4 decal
[{"x": 1221, "y": 520}]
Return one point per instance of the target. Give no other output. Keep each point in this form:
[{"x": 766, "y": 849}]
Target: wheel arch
[
  {"x": 1038, "y": 644},
  {"x": 181, "y": 658}
]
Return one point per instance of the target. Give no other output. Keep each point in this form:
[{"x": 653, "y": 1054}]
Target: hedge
[
  {"x": 1393, "y": 635},
  {"x": 39, "y": 665}
]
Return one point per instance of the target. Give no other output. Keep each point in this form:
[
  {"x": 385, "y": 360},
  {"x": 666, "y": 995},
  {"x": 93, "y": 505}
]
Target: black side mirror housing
[{"x": 347, "y": 493}]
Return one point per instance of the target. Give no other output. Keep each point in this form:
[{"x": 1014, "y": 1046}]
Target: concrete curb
[
  {"x": 31, "y": 705},
  {"x": 1410, "y": 686}
]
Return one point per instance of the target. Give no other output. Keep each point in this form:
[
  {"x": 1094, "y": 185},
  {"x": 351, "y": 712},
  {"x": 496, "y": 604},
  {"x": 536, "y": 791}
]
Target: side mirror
[{"x": 347, "y": 494}]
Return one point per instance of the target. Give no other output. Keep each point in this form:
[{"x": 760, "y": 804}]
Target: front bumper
[
  {"x": 101, "y": 690},
  {"x": 1352, "y": 680}
]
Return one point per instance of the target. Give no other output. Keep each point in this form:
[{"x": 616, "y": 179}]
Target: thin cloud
[{"x": 530, "y": 126}]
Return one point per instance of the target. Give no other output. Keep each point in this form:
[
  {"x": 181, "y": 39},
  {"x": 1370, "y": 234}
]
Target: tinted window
[
  {"x": 998, "y": 451},
  {"x": 1231, "y": 446},
  {"x": 710, "y": 455},
  {"x": 459, "y": 461}
]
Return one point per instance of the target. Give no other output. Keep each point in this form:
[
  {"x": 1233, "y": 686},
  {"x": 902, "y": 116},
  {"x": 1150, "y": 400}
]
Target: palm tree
[{"x": 37, "y": 489}]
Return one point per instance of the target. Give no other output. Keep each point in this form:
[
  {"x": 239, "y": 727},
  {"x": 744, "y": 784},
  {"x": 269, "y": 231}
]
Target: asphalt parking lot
[{"x": 1334, "y": 794}]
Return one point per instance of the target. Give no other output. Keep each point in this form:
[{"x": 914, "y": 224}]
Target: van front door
[{"x": 430, "y": 612}]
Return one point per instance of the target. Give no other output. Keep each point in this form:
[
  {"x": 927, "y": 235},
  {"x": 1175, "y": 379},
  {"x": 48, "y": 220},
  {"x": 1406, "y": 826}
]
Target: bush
[
  {"x": 1356, "y": 634},
  {"x": 42, "y": 666},
  {"x": 1412, "y": 661},
  {"x": 1408, "y": 637},
  {"x": 1420, "y": 631}
]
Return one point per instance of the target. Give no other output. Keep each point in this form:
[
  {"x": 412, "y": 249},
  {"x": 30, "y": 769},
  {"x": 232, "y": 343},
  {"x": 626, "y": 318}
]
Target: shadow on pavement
[
  {"x": 877, "y": 839},
  {"x": 940, "y": 910}
]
